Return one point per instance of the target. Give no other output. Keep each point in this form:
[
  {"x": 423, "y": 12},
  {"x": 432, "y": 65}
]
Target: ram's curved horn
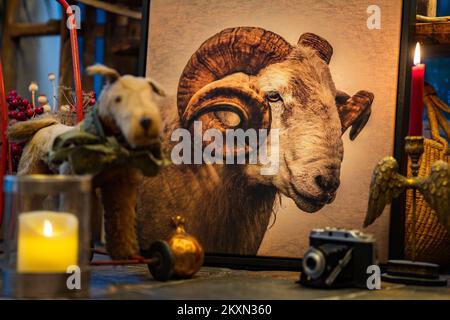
[
  {"x": 322, "y": 47},
  {"x": 233, "y": 50},
  {"x": 233, "y": 93}
]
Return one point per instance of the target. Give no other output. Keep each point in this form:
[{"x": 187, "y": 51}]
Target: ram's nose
[
  {"x": 327, "y": 183},
  {"x": 146, "y": 123}
]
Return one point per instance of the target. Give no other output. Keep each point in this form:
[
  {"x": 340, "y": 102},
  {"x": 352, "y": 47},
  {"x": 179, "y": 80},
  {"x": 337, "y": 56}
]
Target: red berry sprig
[
  {"x": 91, "y": 99},
  {"x": 20, "y": 109},
  {"x": 16, "y": 153}
]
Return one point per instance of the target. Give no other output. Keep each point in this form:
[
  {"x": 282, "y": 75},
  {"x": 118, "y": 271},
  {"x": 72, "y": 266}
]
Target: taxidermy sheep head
[{"x": 252, "y": 78}]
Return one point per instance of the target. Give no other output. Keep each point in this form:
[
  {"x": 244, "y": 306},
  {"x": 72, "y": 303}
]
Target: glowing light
[
  {"x": 48, "y": 228},
  {"x": 417, "y": 54}
]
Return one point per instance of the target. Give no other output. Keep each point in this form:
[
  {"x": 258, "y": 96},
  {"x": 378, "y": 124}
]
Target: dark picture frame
[
  {"x": 398, "y": 209},
  {"x": 397, "y": 217}
]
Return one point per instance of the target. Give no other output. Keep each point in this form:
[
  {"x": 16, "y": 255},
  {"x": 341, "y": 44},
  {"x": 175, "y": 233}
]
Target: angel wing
[
  {"x": 436, "y": 191},
  {"x": 387, "y": 184}
]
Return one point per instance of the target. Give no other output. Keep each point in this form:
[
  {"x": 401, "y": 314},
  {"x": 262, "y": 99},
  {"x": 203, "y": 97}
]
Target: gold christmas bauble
[{"x": 188, "y": 252}]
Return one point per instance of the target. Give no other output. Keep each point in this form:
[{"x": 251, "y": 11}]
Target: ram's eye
[
  {"x": 273, "y": 96},
  {"x": 118, "y": 99}
]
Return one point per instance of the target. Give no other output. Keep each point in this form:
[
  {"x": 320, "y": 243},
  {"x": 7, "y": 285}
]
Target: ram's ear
[
  {"x": 156, "y": 87},
  {"x": 341, "y": 98},
  {"x": 354, "y": 111},
  {"x": 110, "y": 74}
]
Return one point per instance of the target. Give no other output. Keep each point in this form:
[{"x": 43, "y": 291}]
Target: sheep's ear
[
  {"x": 341, "y": 97},
  {"x": 354, "y": 111},
  {"x": 156, "y": 87},
  {"x": 111, "y": 74}
]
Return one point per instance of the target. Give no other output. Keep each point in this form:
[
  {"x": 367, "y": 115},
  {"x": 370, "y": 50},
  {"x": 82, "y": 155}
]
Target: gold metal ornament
[
  {"x": 388, "y": 184},
  {"x": 188, "y": 252}
]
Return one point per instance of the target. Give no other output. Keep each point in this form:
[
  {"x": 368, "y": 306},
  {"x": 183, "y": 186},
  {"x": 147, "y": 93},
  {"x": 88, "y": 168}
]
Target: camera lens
[{"x": 313, "y": 263}]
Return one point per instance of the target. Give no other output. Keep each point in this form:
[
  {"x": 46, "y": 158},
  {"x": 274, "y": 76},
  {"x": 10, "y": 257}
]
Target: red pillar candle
[{"x": 417, "y": 88}]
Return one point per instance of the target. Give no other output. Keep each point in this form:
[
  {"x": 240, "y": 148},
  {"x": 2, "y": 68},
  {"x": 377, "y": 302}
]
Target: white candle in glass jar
[{"x": 47, "y": 242}]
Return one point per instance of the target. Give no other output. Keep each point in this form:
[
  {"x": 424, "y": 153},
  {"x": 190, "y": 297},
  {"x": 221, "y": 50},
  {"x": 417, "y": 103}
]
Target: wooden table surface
[{"x": 135, "y": 282}]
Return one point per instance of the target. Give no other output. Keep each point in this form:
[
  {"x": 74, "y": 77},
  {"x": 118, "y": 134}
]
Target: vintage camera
[{"x": 338, "y": 258}]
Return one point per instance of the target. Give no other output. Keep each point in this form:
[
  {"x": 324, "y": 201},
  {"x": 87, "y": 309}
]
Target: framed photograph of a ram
[{"x": 274, "y": 116}]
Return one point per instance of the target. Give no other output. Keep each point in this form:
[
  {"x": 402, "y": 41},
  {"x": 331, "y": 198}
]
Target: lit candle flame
[
  {"x": 48, "y": 228},
  {"x": 417, "y": 54}
]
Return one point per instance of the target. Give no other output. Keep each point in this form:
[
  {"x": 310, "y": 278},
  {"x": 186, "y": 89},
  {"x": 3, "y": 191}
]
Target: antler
[{"x": 354, "y": 111}]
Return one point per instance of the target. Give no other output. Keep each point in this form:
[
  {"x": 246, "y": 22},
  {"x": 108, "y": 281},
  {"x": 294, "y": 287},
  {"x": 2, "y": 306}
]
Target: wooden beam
[
  {"x": 130, "y": 47},
  {"x": 436, "y": 33},
  {"x": 120, "y": 10},
  {"x": 65, "y": 61},
  {"x": 18, "y": 30},
  {"x": 89, "y": 46},
  {"x": 116, "y": 29},
  {"x": 420, "y": 18},
  {"x": 9, "y": 45},
  {"x": 427, "y": 7}
]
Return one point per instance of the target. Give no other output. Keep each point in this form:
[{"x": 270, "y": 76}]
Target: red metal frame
[
  {"x": 134, "y": 260},
  {"x": 4, "y": 137},
  {"x": 75, "y": 59}
]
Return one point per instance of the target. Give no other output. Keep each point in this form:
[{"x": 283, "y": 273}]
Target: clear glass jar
[{"x": 46, "y": 233}]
